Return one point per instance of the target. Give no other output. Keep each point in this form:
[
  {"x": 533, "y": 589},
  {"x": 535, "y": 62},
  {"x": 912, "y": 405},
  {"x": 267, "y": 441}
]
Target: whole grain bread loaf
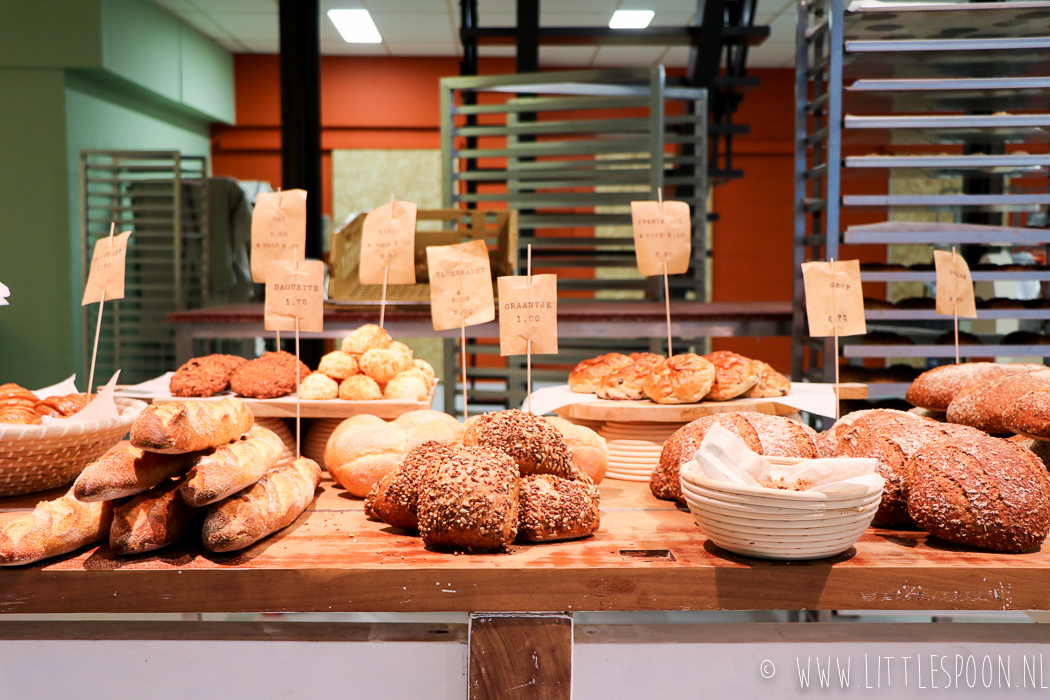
[
  {"x": 980, "y": 491},
  {"x": 985, "y": 405},
  {"x": 842, "y": 436},
  {"x": 1030, "y": 415}
]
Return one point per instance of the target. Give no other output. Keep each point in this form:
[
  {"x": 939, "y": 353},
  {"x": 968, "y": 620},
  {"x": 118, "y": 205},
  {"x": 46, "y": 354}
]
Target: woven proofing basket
[{"x": 40, "y": 457}]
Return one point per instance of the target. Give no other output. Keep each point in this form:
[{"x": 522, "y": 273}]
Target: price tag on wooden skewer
[
  {"x": 295, "y": 302},
  {"x": 834, "y": 304},
  {"x": 278, "y": 232},
  {"x": 388, "y": 242},
  {"x": 460, "y": 292},
  {"x": 954, "y": 289},
  {"x": 105, "y": 281},
  {"x": 528, "y": 318},
  {"x": 662, "y": 243}
]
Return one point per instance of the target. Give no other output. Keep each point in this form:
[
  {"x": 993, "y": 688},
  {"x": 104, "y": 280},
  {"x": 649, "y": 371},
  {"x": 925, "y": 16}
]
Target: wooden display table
[
  {"x": 575, "y": 320},
  {"x": 648, "y": 555}
]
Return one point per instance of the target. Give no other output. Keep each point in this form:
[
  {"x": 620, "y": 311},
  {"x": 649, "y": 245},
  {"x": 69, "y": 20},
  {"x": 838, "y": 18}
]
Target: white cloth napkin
[{"x": 723, "y": 456}]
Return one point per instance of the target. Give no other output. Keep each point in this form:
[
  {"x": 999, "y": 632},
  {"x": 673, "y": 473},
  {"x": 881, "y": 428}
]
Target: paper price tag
[
  {"x": 661, "y": 235},
  {"x": 834, "y": 298},
  {"x": 388, "y": 241},
  {"x": 460, "y": 285},
  {"x": 954, "y": 285},
  {"x": 107, "y": 269},
  {"x": 278, "y": 229},
  {"x": 528, "y": 313},
  {"x": 292, "y": 294}
]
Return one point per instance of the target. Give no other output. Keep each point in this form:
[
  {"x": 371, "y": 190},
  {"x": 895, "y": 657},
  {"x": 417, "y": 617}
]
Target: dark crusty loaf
[
  {"x": 980, "y": 491},
  {"x": 984, "y": 405},
  {"x": 551, "y": 508},
  {"x": 842, "y": 436},
  {"x": 1030, "y": 415},
  {"x": 470, "y": 501},
  {"x": 773, "y": 436},
  {"x": 934, "y": 389},
  {"x": 893, "y": 446}
]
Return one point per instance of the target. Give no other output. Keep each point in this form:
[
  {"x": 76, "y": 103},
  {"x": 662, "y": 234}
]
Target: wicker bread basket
[{"x": 40, "y": 457}]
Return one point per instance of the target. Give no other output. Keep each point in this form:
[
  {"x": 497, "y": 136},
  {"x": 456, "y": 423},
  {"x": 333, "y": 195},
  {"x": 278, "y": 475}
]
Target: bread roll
[
  {"x": 177, "y": 427},
  {"x": 585, "y": 377},
  {"x": 53, "y": 528},
  {"x": 361, "y": 340},
  {"x": 763, "y": 434},
  {"x": 360, "y": 388},
  {"x": 628, "y": 382},
  {"x": 383, "y": 364},
  {"x": 551, "y": 508},
  {"x": 590, "y": 453},
  {"x": 1029, "y": 415},
  {"x": 232, "y": 467},
  {"x": 318, "y": 386},
  {"x": 394, "y": 499},
  {"x": 151, "y": 520},
  {"x": 273, "y": 503},
  {"x": 770, "y": 383},
  {"x": 470, "y": 501},
  {"x": 852, "y": 426},
  {"x": 535, "y": 445},
  {"x": 980, "y": 491},
  {"x": 984, "y": 405},
  {"x": 127, "y": 471},
  {"x": 338, "y": 365},
  {"x": 734, "y": 375},
  {"x": 934, "y": 389},
  {"x": 407, "y": 386},
  {"x": 273, "y": 375},
  {"x": 680, "y": 379}
]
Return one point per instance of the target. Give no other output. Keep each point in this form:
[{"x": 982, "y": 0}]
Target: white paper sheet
[
  {"x": 811, "y": 397},
  {"x": 101, "y": 408},
  {"x": 63, "y": 388}
]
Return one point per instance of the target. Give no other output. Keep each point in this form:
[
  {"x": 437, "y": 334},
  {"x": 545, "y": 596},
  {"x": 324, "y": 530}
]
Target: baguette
[
  {"x": 188, "y": 426},
  {"x": 271, "y": 504},
  {"x": 151, "y": 520},
  {"x": 53, "y": 528},
  {"x": 230, "y": 468},
  {"x": 128, "y": 471}
]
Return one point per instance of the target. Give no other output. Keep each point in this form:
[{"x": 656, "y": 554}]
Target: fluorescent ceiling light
[
  {"x": 631, "y": 19},
  {"x": 355, "y": 26}
]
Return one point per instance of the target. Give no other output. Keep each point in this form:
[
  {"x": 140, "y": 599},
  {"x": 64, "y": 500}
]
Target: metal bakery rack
[{"x": 922, "y": 124}]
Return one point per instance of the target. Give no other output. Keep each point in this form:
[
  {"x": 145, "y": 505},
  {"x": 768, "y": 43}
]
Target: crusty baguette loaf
[
  {"x": 188, "y": 426},
  {"x": 127, "y": 471},
  {"x": 53, "y": 528},
  {"x": 274, "y": 502},
  {"x": 230, "y": 468},
  {"x": 151, "y": 520}
]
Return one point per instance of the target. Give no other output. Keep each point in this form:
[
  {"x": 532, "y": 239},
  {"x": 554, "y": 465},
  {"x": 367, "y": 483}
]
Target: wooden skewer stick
[
  {"x": 955, "y": 309},
  {"x": 835, "y": 358},
  {"x": 463, "y": 361}
]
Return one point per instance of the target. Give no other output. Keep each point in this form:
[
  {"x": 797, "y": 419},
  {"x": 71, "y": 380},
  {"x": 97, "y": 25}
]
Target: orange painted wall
[{"x": 393, "y": 103}]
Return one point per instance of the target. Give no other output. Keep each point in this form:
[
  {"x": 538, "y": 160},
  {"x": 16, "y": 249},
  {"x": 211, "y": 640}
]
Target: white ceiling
[{"x": 430, "y": 28}]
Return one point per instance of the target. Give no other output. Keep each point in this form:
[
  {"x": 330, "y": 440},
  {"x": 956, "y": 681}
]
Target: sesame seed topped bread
[
  {"x": 773, "y": 436},
  {"x": 395, "y": 498},
  {"x": 984, "y": 405},
  {"x": 980, "y": 491},
  {"x": 935, "y": 388},
  {"x": 551, "y": 508},
  {"x": 535, "y": 445}
]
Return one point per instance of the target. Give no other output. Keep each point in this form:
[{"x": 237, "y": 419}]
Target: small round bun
[
  {"x": 318, "y": 386},
  {"x": 680, "y": 379},
  {"x": 534, "y": 444},
  {"x": 382, "y": 364},
  {"x": 365, "y": 338},
  {"x": 359, "y": 388},
  {"x": 585, "y": 377},
  {"x": 400, "y": 347},
  {"x": 771, "y": 383},
  {"x": 590, "y": 453},
  {"x": 406, "y": 386},
  {"x": 629, "y": 382},
  {"x": 980, "y": 491},
  {"x": 425, "y": 367},
  {"x": 551, "y": 508},
  {"x": 734, "y": 375},
  {"x": 338, "y": 365}
]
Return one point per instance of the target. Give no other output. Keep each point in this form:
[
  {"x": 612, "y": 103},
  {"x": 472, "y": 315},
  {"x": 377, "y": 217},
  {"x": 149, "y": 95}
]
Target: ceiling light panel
[
  {"x": 631, "y": 19},
  {"x": 355, "y": 26}
]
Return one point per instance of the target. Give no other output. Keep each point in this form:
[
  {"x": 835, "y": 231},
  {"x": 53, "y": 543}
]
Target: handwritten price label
[
  {"x": 661, "y": 235},
  {"x": 107, "y": 269},
  {"x": 278, "y": 229},
  {"x": 528, "y": 312},
  {"x": 834, "y": 299},
  {"x": 294, "y": 294},
  {"x": 954, "y": 285},
  {"x": 388, "y": 242},
  {"x": 460, "y": 285}
]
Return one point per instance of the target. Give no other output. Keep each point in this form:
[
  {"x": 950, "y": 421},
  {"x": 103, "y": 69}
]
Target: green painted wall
[{"x": 75, "y": 75}]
